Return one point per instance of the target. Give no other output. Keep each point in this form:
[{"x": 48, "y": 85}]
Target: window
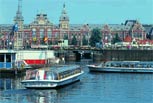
[
  {"x": 33, "y": 32},
  {"x": 56, "y": 34},
  {"x": 2, "y": 58},
  {"x": 137, "y": 35},
  {"x": 49, "y": 33},
  {"x": 41, "y": 33},
  {"x": 8, "y": 58}
]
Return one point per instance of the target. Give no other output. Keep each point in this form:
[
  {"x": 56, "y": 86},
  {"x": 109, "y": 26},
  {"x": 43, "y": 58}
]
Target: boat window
[
  {"x": 70, "y": 72},
  {"x": 132, "y": 65},
  {"x": 138, "y": 66},
  {"x": 30, "y": 75},
  {"x": 51, "y": 76},
  {"x": 126, "y": 65},
  {"x": 144, "y": 66},
  {"x": 107, "y": 64}
]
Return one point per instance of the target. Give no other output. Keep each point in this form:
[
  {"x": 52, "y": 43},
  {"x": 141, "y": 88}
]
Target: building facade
[{"x": 42, "y": 31}]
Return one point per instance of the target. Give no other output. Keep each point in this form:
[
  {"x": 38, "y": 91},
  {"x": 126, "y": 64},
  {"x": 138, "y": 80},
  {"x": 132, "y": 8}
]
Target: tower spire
[
  {"x": 19, "y": 6},
  {"x": 18, "y": 19},
  {"x": 64, "y": 5},
  {"x": 64, "y": 19}
]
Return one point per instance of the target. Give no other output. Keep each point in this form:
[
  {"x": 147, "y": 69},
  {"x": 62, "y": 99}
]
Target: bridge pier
[
  {"x": 109, "y": 55},
  {"x": 78, "y": 55}
]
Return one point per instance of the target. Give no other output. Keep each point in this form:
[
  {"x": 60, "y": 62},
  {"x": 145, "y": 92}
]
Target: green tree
[
  {"x": 116, "y": 39},
  {"x": 84, "y": 40},
  {"x": 95, "y": 37},
  {"x": 50, "y": 43},
  {"x": 1, "y": 35},
  {"x": 65, "y": 37},
  {"x": 74, "y": 40}
]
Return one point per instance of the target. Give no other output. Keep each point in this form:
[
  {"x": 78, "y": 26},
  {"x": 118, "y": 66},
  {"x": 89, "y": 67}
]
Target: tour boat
[
  {"x": 123, "y": 66},
  {"x": 52, "y": 77}
]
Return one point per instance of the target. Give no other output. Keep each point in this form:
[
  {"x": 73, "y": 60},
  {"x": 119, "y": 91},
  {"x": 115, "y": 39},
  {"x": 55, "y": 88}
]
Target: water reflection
[
  {"x": 10, "y": 83},
  {"x": 42, "y": 96},
  {"x": 123, "y": 87},
  {"x": 99, "y": 87},
  {"x": 13, "y": 92}
]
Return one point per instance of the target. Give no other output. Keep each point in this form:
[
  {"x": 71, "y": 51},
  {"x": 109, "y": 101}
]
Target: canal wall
[
  {"x": 123, "y": 55},
  {"x": 113, "y": 55},
  {"x": 11, "y": 72}
]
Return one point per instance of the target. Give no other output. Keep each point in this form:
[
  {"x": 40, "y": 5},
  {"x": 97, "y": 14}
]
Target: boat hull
[
  {"x": 126, "y": 70},
  {"x": 44, "y": 84}
]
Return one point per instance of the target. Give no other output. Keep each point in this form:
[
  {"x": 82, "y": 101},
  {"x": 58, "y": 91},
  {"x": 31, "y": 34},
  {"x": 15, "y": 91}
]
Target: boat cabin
[
  {"x": 130, "y": 64},
  {"x": 52, "y": 73},
  {"x": 7, "y": 59}
]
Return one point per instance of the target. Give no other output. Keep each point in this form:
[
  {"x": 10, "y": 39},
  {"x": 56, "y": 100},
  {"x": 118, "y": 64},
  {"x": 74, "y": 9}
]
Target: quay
[
  {"x": 72, "y": 41},
  {"x": 16, "y": 62},
  {"x": 11, "y": 72},
  {"x": 106, "y": 54}
]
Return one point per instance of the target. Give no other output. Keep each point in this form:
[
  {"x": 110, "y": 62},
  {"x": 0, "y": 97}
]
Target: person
[
  {"x": 16, "y": 71},
  {"x": 63, "y": 59},
  {"x": 37, "y": 75}
]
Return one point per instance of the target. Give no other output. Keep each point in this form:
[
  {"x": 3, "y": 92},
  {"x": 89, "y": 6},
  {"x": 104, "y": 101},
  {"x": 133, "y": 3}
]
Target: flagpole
[
  {"x": 46, "y": 40},
  {"x": 47, "y": 50}
]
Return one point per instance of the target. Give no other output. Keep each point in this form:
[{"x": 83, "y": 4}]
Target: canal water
[{"x": 92, "y": 88}]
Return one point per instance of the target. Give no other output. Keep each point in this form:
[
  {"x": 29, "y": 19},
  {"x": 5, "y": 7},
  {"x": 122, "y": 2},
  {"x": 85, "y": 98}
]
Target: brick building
[{"x": 41, "y": 31}]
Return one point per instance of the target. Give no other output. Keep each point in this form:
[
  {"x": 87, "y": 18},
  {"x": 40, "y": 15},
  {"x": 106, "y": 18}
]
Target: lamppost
[
  {"x": 88, "y": 38},
  {"x": 10, "y": 45},
  {"x": 87, "y": 28}
]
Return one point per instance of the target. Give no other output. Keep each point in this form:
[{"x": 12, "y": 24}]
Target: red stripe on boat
[{"x": 35, "y": 61}]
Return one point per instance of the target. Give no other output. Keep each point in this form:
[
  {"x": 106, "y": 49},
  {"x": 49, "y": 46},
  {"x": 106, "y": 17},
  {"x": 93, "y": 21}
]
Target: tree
[
  {"x": 50, "y": 42},
  {"x": 148, "y": 36},
  {"x": 74, "y": 40},
  {"x": 95, "y": 37},
  {"x": 65, "y": 37},
  {"x": 84, "y": 40},
  {"x": 1, "y": 35},
  {"x": 116, "y": 39}
]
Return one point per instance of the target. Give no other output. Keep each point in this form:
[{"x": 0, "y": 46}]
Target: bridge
[{"x": 109, "y": 54}]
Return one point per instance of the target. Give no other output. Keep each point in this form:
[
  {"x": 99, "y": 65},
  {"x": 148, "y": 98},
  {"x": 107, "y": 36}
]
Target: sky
[{"x": 80, "y": 11}]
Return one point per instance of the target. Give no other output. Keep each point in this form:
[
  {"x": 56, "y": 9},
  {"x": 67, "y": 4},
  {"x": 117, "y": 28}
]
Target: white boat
[
  {"x": 123, "y": 66},
  {"x": 52, "y": 77}
]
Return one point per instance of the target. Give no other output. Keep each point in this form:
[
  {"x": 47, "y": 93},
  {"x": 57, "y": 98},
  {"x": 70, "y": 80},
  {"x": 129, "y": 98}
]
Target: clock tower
[
  {"x": 18, "y": 19},
  {"x": 64, "y": 19}
]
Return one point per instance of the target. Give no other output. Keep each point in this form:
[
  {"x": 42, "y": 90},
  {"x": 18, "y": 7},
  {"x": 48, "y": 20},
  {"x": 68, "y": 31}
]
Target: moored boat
[
  {"x": 123, "y": 66},
  {"x": 52, "y": 77}
]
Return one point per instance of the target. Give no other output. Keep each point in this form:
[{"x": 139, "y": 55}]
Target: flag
[
  {"x": 15, "y": 28},
  {"x": 34, "y": 39},
  {"x": 45, "y": 39}
]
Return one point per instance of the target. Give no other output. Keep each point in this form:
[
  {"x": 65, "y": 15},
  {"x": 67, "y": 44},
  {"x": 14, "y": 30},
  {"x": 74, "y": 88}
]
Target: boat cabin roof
[
  {"x": 143, "y": 63},
  {"x": 59, "y": 69},
  {"x": 138, "y": 62}
]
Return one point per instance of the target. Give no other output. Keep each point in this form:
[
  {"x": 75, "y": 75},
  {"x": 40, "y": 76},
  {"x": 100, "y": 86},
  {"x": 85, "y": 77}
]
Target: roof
[
  {"x": 64, "y": 15},
  {"x": 78, "y": 27},
  {"x": 128, "y": 38},
  {"x": 7, "y": 51},
  {"x": 130, "y": 22},
  {"x": 63, "y": 68},
  {"x": 145, "y": 41},
  {"x": 41, "y": 19}
]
